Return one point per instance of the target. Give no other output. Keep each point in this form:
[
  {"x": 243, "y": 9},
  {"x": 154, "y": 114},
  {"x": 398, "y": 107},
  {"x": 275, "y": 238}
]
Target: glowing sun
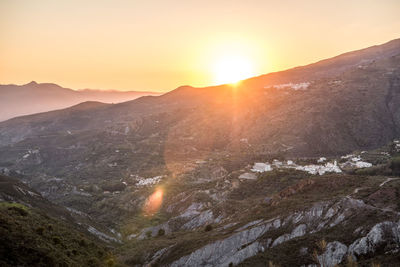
[{"x": 232, "y": 68}]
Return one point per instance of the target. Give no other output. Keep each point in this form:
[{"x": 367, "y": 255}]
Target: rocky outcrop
[
  {"x": 233, "y": 249},
  {"x": 153, "y": 231},
  {"x": 379, "y": 236},
  {"x": 193, "y": 217},
  {"x": 333, "y": 255},
  {"x": 259, "y": 235},
  {"x": 201, "y": 219},
  {"x": 383, "y": 236},
  {"x": 102, "y": 236},
  {"x": 298, "y": 231}
]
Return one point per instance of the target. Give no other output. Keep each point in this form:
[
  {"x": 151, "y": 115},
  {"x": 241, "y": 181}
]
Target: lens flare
[{"x": 153, "y": 202}]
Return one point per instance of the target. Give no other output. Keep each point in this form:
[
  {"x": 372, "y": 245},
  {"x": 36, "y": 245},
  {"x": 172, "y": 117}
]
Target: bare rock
[{"x": 333, "y": 255}]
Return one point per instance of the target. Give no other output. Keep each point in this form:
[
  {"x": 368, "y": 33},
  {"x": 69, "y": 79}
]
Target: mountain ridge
[
  {"x": 384, "y": 49},
  {"x": 33, "y": 97},
  {"x": 250, "y": 94},
  {"x": 298, "y": 169}
]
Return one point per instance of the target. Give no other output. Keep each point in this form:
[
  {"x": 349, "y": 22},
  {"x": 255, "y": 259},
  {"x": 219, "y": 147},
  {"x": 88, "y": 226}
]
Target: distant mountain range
[
  {"x": 18, "y": 100},
  {"x": 334, "y": 106},
  {"x": 296, "y": 167}
]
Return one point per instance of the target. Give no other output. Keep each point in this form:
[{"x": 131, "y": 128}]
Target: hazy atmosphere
[{"x": 160, "y": 45}]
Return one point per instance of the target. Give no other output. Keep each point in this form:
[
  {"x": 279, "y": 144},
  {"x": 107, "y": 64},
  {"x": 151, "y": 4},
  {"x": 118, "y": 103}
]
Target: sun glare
[
  {"x": 232, "y": 68},
  {"x": 153, "y": 202}
]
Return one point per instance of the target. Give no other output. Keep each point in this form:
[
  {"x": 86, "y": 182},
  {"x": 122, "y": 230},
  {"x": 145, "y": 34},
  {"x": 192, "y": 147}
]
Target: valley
[{"x": 294, "y": 168}]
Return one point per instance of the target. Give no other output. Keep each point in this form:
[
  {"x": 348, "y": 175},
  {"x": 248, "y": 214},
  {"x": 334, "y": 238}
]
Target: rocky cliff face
[{"x": 259, "y": 236}]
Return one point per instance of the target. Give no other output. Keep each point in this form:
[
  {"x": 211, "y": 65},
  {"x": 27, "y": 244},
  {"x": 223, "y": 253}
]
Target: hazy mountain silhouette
[{"x": 18, "y": 100}]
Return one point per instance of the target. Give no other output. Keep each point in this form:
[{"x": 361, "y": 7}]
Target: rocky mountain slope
[
  {"x": 232, "y": 175},
  {"x": 18, "y": 100}
]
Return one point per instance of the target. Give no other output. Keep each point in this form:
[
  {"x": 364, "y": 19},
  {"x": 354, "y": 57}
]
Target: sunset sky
[{"x": 160, "y": 45}]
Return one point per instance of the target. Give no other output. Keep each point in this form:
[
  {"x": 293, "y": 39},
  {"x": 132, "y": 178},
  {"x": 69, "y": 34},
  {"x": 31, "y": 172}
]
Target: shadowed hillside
[{"x": 35, "y": 232}]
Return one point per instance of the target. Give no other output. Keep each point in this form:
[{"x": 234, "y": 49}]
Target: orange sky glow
[{"x": 160, "y": 45}]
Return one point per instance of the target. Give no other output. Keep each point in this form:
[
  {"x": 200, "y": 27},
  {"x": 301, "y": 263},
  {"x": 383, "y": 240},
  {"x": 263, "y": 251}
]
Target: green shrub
[
  {"x": 40, "y": 230},
  {"x": 93, "y": 262},
  {"x": 19, "y": 210},
  {"x": 148, "y": 234},
  {"x": 374, "y": 170},
  {"x": 395, "y": 165},
  {"x": 56, "y": 240},
  {"x": 82, "y": 243},
  {"x": 208, "y": 228},
  {"x": 113, "y": 186},
  {"x": 161, "y": 232},
  {"x": 110, "y": 262}
]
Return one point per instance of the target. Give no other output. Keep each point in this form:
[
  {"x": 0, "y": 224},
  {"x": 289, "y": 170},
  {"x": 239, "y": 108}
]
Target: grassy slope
[{"x": 28, "y": 237}]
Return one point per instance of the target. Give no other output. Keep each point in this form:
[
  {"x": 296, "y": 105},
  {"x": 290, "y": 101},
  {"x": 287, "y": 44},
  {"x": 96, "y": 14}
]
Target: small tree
[
  {"x": 40, "y": 230},
  {"x": 148, "y": 234},
  {"x": 395, "y": 166},
  {"x": 161, "y": 232},
  {"x": 321, "y": 249},
  {"x": 351, "y": 262}
]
